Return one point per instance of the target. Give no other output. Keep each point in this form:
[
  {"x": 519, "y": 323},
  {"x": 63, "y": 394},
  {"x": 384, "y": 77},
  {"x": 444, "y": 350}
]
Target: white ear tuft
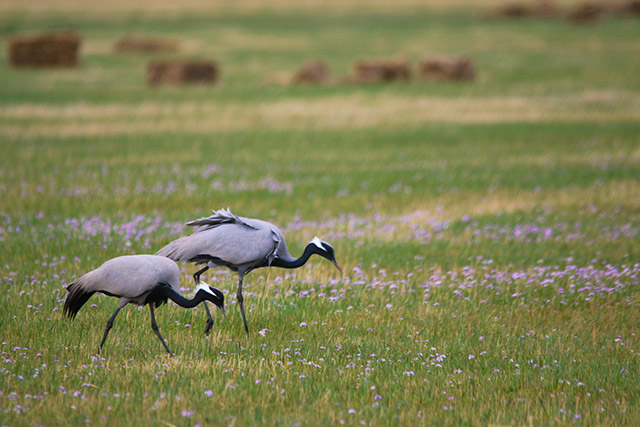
[
  {"x": 203, "y": 287},
  {"x": 316, "y": 241}
]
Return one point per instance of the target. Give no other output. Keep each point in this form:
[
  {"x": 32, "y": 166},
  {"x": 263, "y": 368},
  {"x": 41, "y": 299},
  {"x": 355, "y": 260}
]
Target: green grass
[{"x": 488, "y": 230}]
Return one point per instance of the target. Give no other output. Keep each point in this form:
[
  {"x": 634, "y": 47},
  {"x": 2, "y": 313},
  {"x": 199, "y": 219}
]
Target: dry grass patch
[
  {"x": 337, "y": 112},
  {"x": 168, "y": 7},
  {"x": 131, "y": 44},
  {"x": 619, "y": 193},
  {"x": 455, "y": 206},
  {"x": 233, "y": 39}
]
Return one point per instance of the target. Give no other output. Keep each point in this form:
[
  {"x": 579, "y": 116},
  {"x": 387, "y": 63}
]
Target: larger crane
[{"x": 241, "y": 244}]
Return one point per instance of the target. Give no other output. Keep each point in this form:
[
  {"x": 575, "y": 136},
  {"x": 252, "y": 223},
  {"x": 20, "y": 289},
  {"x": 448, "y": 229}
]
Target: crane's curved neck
[
  {"x": 180, "y": 300},
  {"x": 295, "y": 262}
]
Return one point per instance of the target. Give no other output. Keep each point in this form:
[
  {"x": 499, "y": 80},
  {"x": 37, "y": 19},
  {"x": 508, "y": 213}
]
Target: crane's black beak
[
  {"x": 223, "y": 312},
  {"x": 337, "y": 266}
]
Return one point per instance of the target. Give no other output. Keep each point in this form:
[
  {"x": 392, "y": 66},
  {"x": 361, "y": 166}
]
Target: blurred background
[{"x": 475, "y": 164}]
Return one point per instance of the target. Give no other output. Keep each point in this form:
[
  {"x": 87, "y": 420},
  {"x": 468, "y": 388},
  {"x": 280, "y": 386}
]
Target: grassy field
[{"x": 488, "y": 230}]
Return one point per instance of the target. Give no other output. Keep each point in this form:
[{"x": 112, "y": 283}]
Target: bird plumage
[
  {"x": 136, "y": 279},
  {"x": 131, "y": 278},
  {"x": 219, "y": 217},
  {"x": 241, "y": 244},
  {"x": 244, "y": 243}
]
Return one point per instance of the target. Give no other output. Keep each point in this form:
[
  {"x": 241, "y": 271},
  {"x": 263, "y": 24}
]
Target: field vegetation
[{"x": 488, "y": 230}]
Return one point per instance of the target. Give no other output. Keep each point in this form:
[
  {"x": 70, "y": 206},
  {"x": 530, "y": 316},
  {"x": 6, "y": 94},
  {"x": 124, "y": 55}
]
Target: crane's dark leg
[
  {"x": 108, "y": 328},
  {"x": 196, "y": 277},
  {"x": 209, "y": 324},
  {"x": 241, "y": 302},
  {"x": 154, "y": 326}
]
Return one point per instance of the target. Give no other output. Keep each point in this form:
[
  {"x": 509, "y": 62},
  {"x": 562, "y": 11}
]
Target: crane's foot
[{"x": 208, "y": 326}]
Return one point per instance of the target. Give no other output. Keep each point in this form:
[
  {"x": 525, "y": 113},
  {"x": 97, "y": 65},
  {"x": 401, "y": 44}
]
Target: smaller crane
[{"x": 137, "y": 279}]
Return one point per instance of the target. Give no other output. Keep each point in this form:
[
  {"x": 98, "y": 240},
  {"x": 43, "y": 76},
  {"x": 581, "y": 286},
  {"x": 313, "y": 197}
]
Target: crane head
[
  {"x": 325, "y": 250},
  {"x": 212, "y": 294}
]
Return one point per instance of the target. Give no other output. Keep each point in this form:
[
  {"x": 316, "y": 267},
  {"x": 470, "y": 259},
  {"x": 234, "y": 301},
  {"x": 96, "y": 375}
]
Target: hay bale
[
  {"x": 144, "y": 45},
  {"x": 541, "y": 8},
  {"x": 511, "y": 10},
  {"x": 373, "y": 71},
  {"x": 545, "y": 9},
  {"x": 56, "y": 49},
  {"x": 312, "y": 72},
  {"x": 585, "y": 13},
  {"x": 624, "y": 8},
  {"x": 177, "y": 73},
  {"x": 446, "y": 69},
  {"x": 633, "y": 7}
]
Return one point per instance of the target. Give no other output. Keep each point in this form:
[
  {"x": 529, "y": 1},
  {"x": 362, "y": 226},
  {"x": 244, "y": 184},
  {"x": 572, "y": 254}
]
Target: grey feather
[
  {"x": 131, "y": 278},
  {"x": 219, "y": 217},
  {"x": 243, "y": 242}
]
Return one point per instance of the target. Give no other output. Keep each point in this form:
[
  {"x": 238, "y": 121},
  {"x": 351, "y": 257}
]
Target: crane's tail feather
[
  {"x": 178, "y": 250},
  {"x": 219, "y": 217},
  {"x": 76, "y": 298}
]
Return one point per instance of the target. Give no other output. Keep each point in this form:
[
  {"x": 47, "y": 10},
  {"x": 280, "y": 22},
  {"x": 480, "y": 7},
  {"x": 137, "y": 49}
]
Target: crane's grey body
[
  {"x": 225, "y": 240},
  {"x": 241, "y": 244},
  {"x": 136, "y": 279},
  {"x": 131, "y": 278}
]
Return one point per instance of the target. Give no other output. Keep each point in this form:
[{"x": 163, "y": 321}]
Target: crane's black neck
[
  {"x": 174, "y": 296},
  {"x": 296, "y": 262}
]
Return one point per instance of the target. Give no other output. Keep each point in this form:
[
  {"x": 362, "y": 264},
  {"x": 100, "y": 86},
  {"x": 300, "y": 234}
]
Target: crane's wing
[
  {"x": 231, "y": 243},
  {"x": 220, "y": 217},
  {"x": 133, "y": 275},
  {"x": 127, "y": 277}
]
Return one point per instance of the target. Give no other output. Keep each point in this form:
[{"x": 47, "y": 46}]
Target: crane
[
  {"x": 137, "y": 279},
  {"x": 240, "y": 244}
]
